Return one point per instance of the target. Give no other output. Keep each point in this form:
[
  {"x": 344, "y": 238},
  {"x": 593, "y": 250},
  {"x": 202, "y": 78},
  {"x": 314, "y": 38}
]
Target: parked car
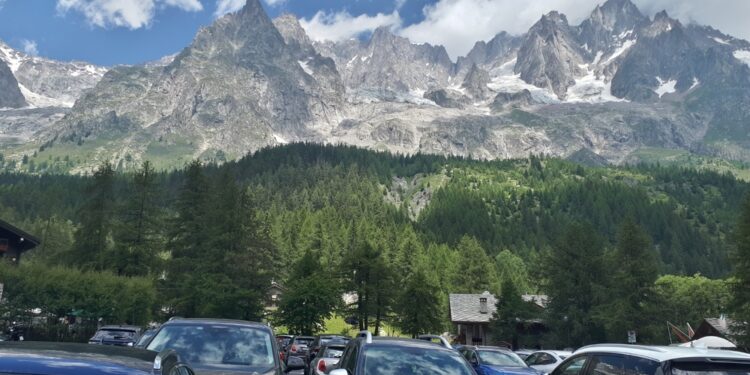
[
  {"x": 145, "y": 337},
  {"x": 283, "y": 341},
  {"x": 47, "y": 358},
  {"x": 367, "y": 355},
  {"x": 219, "y": 346},
  {"x": 296, "y": 350},
  {"x": 546, "y": 360},
  {"x": 116, "y": 335},
  {"x": 327, "y": 357},
  {"x": 320, "y": 340},
  {"x": 524, "y": 353},
  {"x": 490, "y": 360},
  {"x": 653, "y": 360}
]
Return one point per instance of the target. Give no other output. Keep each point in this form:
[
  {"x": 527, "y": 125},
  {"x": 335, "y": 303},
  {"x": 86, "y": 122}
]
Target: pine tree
[
  {"x": 511, "y": 314},
  {"x": 139, "y": 235},
  {"x": 634, "y": 269},
  {"x": 573, "y": 278},
  {"x": 187, "y": 242},
  {"x": 476, "y": 271},
  {"x": 740, "y": 256},
  {"x": 418, "y": 307},
  {"x": 91, "y": 247}
]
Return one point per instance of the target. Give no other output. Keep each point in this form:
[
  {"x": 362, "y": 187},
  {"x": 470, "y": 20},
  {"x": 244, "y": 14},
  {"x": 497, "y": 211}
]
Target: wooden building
[
  {"x": 471, "y": 314},
  {"x": 14, "y": 242}
]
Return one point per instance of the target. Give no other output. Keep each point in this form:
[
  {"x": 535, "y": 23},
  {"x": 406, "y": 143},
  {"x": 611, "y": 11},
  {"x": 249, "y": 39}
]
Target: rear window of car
[
  {"x": 114, "y": 334},
  {"x": 623, "y": 365},
  {"x": 400, "y": 360},
  {"x": 333, "y": 352},
  {"x": 303, "y": 341}
]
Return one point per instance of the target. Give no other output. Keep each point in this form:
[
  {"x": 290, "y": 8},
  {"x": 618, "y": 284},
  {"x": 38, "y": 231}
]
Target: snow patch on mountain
[
  {"x": 304, "y": 65},
  {"x": 625, "y": 46},
  {"x": 743, "y": 56},
  {"x": 720, "y": 40},
  {"x": 665, "y": 87}
]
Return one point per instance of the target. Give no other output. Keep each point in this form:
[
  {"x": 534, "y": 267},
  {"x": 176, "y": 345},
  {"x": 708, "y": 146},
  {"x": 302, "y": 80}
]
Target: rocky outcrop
[
  {"x": 550, "y": 56},
  {"x": 506, "y": 100},
  {"x": 447, "y": 98},
  {"x": 10, "y": 93},
  {"x": 609, "y": 24}
]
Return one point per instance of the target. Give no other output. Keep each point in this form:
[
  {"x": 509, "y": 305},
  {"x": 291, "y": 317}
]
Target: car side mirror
[
  {"x": 339, "y": 371},
  {"x": 474, "y": 361}
]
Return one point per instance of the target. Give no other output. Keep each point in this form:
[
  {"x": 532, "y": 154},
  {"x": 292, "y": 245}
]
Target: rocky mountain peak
[
  {"x": 476, "y": 82},
  {"x": 294, "y": 35},
  {"x": 609, "y": 24},
  {"x": 662, "y": 23},
  {"x": 498, "y": 50},
  {"x": 550, "y": 56}
]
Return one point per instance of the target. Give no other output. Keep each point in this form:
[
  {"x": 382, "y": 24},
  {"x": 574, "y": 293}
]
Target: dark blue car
[
  {"x": 489, "y": 360},
  {"x": 42, "y": 358}
]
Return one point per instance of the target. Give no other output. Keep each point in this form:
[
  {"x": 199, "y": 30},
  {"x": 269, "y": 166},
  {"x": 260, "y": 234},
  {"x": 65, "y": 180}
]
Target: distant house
[
  {"x": 273, "y": 296},
  {"x": 471, "y": 314},
  {"x": 14, "y": 242},
  {"x": 721, "y": 327}
]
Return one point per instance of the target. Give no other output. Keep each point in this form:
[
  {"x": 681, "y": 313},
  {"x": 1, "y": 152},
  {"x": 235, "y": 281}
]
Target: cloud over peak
[{"x": 131, "y": 14}]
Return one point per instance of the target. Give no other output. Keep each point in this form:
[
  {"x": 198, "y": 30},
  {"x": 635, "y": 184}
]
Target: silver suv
[{"x": 615, "y": 359}]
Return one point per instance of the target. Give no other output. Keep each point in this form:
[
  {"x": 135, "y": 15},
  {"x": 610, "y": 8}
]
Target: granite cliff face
[
  {"x": 615, "y": 84},
  {"x": 10, "y": 93}
]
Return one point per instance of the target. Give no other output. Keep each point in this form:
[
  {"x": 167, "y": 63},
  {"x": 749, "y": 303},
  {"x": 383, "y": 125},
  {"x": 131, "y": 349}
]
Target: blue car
[
  {"x": 490, "y": 360},
  {"x": 42, "y": 358}
]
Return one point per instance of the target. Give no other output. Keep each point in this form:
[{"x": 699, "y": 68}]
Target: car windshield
[
  {"x": 217, "y": 344},
  {"x": 303, "y": 341},
  {"x": 700, "y": 368},
  {"x": 500, "y": 358},
  {"x": 146, "y": 337},
  {"x": 283, "y": 341},
  {"x": 399, "y": 360},
  {"x": 114, "y": 334},
  {"x": 333, "y": 352}
]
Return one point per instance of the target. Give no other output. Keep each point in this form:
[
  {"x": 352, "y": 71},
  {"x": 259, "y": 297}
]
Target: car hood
[{"x": 506, "y": 370}]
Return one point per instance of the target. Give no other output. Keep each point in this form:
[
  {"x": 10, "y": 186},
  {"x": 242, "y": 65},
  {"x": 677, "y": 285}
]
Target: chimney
[{"x": 483, "y": 305}]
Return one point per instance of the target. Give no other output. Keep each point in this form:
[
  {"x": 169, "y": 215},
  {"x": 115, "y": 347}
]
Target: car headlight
[{"x": 129, "y": 344}]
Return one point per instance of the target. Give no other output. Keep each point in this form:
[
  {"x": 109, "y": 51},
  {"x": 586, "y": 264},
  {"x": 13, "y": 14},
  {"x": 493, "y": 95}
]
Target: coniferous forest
[{"x": 650, "y": 243}]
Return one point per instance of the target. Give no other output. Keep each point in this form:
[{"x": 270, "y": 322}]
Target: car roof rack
[
  {"x": 442, "y": 340},
  {"x": 366, "y": 335}
]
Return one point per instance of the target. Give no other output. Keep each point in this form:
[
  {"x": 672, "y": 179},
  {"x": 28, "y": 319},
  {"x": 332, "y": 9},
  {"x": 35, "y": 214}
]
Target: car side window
[
  {"x": 574, "y": 366},
  {"x": 622, "y": 365},
  {"x": 531, "y": 360},
  {"x": 545, "y": 359},
  {"x": 351, "y": 360}
]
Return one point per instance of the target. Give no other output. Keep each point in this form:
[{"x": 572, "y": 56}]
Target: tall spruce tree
[
  {"x": 634, "y": 268},
  {"x": 512, "y": 313},
  {"x": 740, "y": 256},
  {"x": 476, "y": 271},
  {"x": 574, "y": 277},
  {"x": 91, "y": 248},
  {"x": 418, "y": 307},
  {"x": 139, "y": 237}
]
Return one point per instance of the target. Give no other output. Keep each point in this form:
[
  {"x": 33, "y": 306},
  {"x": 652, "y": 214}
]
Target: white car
[{"x": 546, "y": 360}]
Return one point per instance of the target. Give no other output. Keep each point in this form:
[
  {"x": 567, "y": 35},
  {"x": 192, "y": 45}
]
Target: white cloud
[
  {"x": 30, "y": 47},
  {"x": 400, "y": 4},
  {"x": 132, "y": 14},
  {"x": 342, "y": 25},
  {"x": 228, "y": 6},
  {"x": 274, "y": 3}
]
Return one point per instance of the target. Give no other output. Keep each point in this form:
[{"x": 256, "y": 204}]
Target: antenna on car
[{"x": 366, "y": 335}]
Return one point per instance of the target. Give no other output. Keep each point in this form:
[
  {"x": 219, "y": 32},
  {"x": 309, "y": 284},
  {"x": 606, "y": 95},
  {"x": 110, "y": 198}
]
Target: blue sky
[
  {"x": 110, "y": 32},
  {"x": 69, "y": 35}
]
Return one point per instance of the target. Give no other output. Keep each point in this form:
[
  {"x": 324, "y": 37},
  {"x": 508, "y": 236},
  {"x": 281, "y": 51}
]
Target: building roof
[
  {"x": 29, "y": 240},
  {"x": 664, "y": 353},
  {"x": 465, "y": 308},
  {"x": 722, "y": 326},
  {"x": 537, "y": 299}
]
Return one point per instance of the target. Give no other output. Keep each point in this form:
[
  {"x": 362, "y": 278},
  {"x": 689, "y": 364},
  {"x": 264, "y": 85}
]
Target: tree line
[{"x": 319, "y": 219}]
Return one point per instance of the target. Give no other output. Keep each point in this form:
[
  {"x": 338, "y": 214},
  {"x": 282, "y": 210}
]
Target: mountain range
[{"x": 614, "y": 85}]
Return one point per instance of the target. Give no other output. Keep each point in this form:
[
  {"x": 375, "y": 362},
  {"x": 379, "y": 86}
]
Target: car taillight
[
  {"x": 281, "y": 356},
  {"x": 322, "y": 366},
  {"x": 294, "y": 348}
]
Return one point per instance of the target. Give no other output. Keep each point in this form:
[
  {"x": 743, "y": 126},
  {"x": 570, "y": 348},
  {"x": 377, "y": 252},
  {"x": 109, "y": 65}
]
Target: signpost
[{"x": 631, "y": 337}]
